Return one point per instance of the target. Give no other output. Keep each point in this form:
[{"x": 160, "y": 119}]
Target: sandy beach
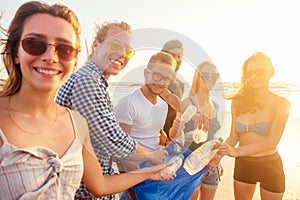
[{"x": 289, "y": 148}]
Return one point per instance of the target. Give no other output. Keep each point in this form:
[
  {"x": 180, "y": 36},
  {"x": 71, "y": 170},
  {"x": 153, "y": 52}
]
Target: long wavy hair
[
  {"x": 14, "y": 33},
  {"x": 244, "y": 100}
]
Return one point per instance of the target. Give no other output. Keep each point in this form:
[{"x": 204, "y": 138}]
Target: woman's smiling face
[{"x": 46, "y": 71}]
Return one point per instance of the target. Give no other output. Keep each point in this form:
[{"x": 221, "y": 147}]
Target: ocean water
[{"x": 290, "y": 90}]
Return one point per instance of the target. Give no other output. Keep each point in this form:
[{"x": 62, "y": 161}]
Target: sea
[{"x": 290, "y": 90}]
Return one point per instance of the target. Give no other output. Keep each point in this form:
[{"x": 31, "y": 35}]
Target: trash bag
[{"x": 181, "y": 187}]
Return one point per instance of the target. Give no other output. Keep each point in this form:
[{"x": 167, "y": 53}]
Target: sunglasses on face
[
  {"x": 158, "y": 77},
  {"x": 37, "y": 47},
  {"x": 115, "y": 45},
  {"x": 207, "y": 76},
  {"x": 258, "y": 72}
]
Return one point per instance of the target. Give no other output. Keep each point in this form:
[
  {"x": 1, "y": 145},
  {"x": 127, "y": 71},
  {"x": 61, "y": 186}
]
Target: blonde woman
[{"x": 205, "y": 78}]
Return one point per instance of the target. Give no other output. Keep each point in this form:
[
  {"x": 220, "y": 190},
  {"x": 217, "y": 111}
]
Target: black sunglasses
[{"x": 36, "y": 47}]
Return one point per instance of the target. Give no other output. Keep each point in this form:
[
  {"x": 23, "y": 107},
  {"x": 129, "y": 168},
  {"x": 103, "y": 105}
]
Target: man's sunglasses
[
  {"x": 36, "y": 47},
  {"x": 158, "y": 77},
  {"x": 115, "y": 45}
]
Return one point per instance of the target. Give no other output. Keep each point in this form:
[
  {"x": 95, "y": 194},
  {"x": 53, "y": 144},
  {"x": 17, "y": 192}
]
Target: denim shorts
[{"x": 210, "y": 179}]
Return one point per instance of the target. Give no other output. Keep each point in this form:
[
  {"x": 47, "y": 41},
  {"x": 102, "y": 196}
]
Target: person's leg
[
  {"x": 272, "y": 185},
  {"x": 207, "y": 194},
  {"x": 243, "y": 191},
  {"x": 195, "y": 195},
  {"x": 209, "y": 185},
  {"x": 265, "y": 195}
]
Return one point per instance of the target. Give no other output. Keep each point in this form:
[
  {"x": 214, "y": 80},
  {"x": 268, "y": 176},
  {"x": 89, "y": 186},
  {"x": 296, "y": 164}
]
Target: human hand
[
  {"x": 177, "y": 125},
  {"x": 157, "y": 157},
  {"x": 161, "y": 175},
  {"x": 214, "y": 162},
  {"x": 203, "y": 122},
  {"x": 225, "y": 149}
]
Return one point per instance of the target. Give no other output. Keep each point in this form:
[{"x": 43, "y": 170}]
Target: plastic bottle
[
  {"x": 200, "y": 157},
  {"x": 189, "y": 112},
  {"x": 199, "y": 136},
  {"x": 177, "y": 162}
]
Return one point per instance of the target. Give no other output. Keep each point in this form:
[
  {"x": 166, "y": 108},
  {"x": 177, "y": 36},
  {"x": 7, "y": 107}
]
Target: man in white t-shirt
[{"x": 142, "y": 113}]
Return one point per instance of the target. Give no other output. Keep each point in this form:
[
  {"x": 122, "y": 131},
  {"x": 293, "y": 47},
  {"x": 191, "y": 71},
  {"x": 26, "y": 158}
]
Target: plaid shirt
[{"x": 86, "y": 92}]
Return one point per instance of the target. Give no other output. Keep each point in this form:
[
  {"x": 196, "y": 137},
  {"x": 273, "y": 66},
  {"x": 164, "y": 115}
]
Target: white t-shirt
[{"x": 146, "y": 119}]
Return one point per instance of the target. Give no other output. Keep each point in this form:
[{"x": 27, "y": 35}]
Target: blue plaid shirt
[{"x": 86, "y": 92}]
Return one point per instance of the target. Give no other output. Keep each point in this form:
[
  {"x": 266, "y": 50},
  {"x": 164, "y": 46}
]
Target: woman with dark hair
[{"x": 258, "y": 120}]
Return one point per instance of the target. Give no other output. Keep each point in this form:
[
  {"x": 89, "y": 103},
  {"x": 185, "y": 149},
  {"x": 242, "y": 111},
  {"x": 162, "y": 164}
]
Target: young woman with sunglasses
[
  {"x": 258, "y": 120},
  {"x": 45, "y": 149},
  {"x": 205, "y": 78}
]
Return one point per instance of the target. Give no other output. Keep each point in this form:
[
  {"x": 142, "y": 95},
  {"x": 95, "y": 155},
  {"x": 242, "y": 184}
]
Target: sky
[{"x": 225, "y": 32}]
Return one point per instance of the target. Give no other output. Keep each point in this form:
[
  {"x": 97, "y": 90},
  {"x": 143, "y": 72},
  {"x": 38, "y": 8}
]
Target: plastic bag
[{"x": 181, "y": 187}]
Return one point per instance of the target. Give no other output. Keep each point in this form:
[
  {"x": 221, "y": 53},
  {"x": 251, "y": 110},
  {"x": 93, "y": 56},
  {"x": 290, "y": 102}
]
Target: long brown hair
[
  {"x": 244, "y": 100},
  {"x": 14, "y": 32}
]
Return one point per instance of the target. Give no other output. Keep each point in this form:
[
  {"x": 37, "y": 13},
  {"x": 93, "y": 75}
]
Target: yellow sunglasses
[
  {"x": 158, "y": 77},
  {"x": 115, "y": 45}
]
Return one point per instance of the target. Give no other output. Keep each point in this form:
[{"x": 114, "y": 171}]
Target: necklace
[{"x": 26, "y": 131}]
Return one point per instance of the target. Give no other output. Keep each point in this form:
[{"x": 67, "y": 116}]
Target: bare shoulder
[
  {"x": 3, "y": 110},
  {"x": 77, "y": 115},
  {"x": 81, "y": 124},
  {"x": 280, "y": 102}
]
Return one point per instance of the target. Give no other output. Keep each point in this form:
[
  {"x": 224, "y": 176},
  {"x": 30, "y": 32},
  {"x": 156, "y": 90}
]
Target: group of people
[{"x": 59, "y": 132}]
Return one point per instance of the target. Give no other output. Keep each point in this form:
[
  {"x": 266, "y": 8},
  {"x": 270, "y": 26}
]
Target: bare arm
[
  {"x": 176, "y": 126},
  {"x": 172, "y": 100},
  {"x": 100, "y": 185}
]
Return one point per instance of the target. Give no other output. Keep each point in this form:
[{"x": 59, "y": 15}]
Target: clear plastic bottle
[
  {"x": 177, "y": 162},
  {"x": 199, "y": 136},
  {"x": 189, "y": 112},
  {"x": 200, "y": 157}
]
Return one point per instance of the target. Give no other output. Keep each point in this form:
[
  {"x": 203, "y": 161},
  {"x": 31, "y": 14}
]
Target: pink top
[{"x": 38, "y": 173}]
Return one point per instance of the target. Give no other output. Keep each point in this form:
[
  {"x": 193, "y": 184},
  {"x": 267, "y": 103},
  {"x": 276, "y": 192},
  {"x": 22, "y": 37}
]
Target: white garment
[{"x": 146, "y": 119}]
